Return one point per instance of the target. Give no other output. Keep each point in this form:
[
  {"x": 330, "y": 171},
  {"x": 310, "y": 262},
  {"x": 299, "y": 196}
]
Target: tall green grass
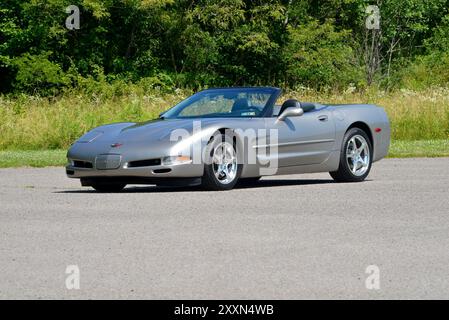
[
  {"x": 39, "y": 123},
  {"x": 31, "y": 123},
  {"x": 414, "y": 115}
]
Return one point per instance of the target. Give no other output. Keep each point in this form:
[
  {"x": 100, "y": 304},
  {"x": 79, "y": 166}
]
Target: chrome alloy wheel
[
  {"x": 224, "y": 163},
  {"x": 358, "y": 155}
]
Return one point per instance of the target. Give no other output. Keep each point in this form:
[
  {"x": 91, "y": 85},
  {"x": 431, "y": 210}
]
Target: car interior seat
[{"x": 240, "y": 105}]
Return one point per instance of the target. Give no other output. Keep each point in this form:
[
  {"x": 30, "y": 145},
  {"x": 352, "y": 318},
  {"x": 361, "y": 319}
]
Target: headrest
[{"x": 240, "y": 104}]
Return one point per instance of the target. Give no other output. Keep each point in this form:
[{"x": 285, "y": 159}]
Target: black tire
[
  {"x": 108, "y": 187},
  {"x": 344, "y": 173},
  {"x": 209, "y": 181}
]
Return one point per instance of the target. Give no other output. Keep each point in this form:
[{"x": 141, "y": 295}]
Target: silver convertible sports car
[{"x": 220, "y": 137}]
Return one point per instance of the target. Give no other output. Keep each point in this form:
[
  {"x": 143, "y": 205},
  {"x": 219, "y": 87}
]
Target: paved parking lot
[{"x": 290, "y": 237}]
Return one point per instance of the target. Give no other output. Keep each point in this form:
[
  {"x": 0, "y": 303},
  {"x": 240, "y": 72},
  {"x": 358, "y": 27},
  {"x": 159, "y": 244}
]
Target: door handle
[{"x": 323, "y": 118}]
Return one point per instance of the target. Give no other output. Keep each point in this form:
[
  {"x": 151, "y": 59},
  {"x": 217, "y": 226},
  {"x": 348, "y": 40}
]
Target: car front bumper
[{"x": 187, "y": 170}]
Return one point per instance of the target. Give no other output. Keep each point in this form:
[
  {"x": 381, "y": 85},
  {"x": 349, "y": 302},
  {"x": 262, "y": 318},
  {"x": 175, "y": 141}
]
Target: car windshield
[{"x": 224, "y": 103}]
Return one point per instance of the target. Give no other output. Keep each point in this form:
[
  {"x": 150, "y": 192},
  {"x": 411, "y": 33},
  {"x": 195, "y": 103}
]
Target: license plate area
[{"x": 108, "y": 161}]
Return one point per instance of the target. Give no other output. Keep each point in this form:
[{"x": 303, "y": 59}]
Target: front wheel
[
  {"x": 222, "y": 170},
  {"x": 355, "y": 157}
]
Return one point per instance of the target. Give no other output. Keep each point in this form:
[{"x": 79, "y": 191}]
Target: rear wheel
[
  {"x": 355, "y": 157},
  {"x": 108, "y": 187},
  {"x": 222, "y": 170}
]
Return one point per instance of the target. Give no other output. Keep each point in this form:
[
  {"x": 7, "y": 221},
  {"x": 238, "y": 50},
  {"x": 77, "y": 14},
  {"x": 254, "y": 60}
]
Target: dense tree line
[{"x": 195, "y": 43}]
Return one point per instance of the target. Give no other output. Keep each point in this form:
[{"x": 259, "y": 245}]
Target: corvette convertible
[{"x": 218, "y": 138}]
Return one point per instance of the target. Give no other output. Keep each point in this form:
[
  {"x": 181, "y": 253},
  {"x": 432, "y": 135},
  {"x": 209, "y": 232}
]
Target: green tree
[{"x": 317, "y": 55}]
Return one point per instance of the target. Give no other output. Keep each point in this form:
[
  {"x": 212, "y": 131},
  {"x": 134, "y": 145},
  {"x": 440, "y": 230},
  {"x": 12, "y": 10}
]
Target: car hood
[
  {"x": 149, "y": 131},
  {"x": 150, "y": 139}
]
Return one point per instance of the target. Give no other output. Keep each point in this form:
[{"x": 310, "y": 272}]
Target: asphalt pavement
[{"x": 288, "y": 237}]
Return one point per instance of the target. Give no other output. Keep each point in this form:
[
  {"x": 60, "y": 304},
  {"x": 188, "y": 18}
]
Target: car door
[{"x": 303, "y": 140}]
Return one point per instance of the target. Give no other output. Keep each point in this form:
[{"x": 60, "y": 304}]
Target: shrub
[
  {"x": 319, "y": 56},
  {"x": 35, "y": 73}
]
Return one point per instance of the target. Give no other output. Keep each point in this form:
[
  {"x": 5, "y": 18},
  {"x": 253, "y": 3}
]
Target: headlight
[{"x": 173, "y": 160}]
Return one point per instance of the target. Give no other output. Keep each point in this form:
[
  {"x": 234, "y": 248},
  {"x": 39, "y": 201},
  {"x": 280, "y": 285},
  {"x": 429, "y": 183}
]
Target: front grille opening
[
  {"x": 161, "y": 171},
  {"x": 70, "y": 172},
  {"x": 144, "y": 163},
  {"x": 82, "y": 164}
]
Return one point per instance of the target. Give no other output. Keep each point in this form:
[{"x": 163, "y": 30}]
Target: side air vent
[
  {"x": 144, "y": 163},
  {"x": 82, "y": 164}
]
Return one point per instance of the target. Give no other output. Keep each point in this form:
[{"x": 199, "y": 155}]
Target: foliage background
[
  {"x": 197, "y": 43},
  {"x": 131, "y": 59}
]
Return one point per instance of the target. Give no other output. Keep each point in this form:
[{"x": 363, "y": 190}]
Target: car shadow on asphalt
[{"x": 269, "y": 183}]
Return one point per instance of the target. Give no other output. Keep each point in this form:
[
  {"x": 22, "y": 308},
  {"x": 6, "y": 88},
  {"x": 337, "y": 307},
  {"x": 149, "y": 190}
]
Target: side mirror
[{"x": 291, "y": 112}]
